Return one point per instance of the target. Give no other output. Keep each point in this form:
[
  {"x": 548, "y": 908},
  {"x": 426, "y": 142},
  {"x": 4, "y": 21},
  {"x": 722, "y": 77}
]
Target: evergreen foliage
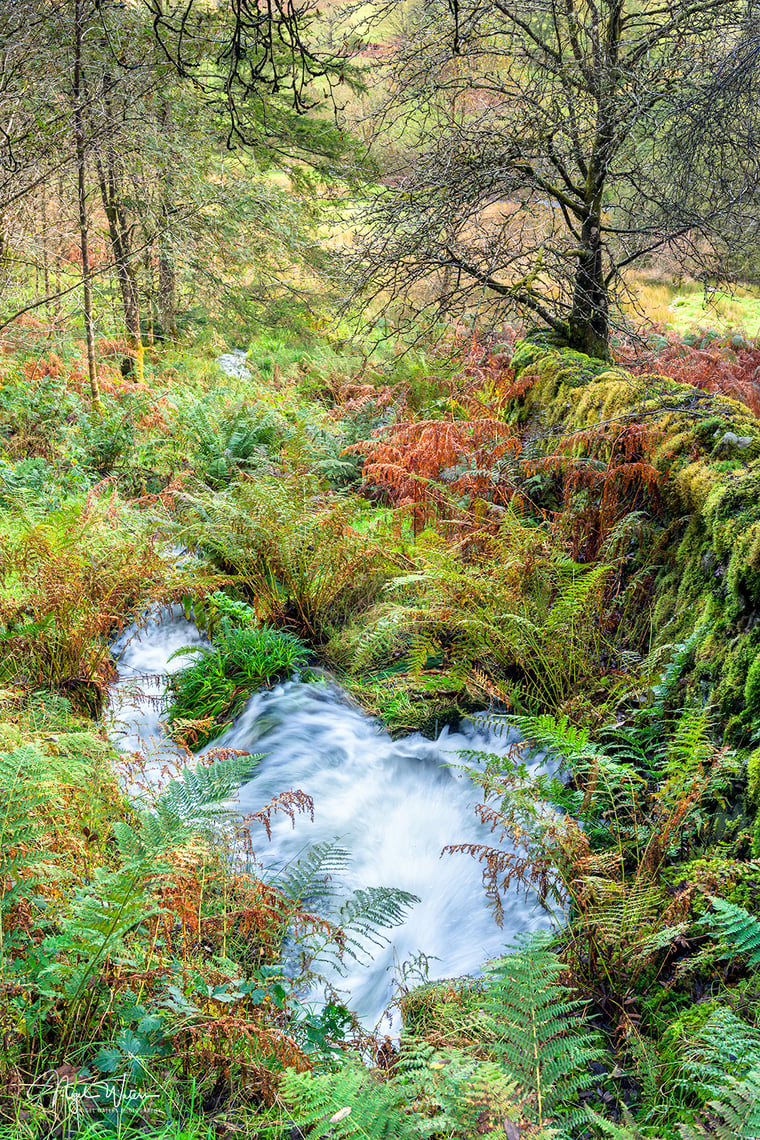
[{"x": 733, "y": 1115}]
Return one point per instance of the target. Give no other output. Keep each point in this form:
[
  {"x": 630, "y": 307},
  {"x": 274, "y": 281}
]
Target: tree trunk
[
  {"x": 45, "y": 258},
  {"x": 167, "y": 274},
  {"x": 84, "y": 243},
  {"x": 589, "y": 321},
  {"x": 166, "y": 278},
  {"x": 118, "y": 231}
]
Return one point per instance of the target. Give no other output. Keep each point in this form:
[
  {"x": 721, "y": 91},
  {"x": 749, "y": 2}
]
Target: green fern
[
  {"x": 22, "y": 864},
  {"x": 102, "y": 914},
  {"x": 228, "y": 439},
  {"x": 608, "y": 785},
  {"x": 738, "y": 931},
  {"x": 725, "y": 1046},
  {"x": 612, "y": 1129},
  {"x": 735, "y": 1115},
  {"x": 191, "y": 805},
  {"x": 452, "y": 1094},
  {"x": 541, "y": 1037},
  {"x": 300, "y": 557},
  {"x": 350, "y": 1103},
  {"x": 360, "y": 923},
  {"x": 665, "y": 686},
  {"x": 430, "y": 1094},
  {"x": 308, "y": 879}
]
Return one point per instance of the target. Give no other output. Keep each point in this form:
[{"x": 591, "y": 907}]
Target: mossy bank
[{"x": 704, "y": 507}]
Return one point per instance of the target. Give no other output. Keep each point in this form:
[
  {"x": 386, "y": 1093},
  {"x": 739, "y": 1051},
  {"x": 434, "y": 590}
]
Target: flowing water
[
  {"x": 233, "y": 363},
  {"x": 392, "y": 804}
]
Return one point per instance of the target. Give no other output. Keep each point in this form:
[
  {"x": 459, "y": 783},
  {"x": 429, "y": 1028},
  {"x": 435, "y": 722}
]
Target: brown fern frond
[{"x": 502, "y": 868}]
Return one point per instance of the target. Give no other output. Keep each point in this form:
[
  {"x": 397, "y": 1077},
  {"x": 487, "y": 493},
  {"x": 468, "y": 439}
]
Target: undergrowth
[
  {"x": 243, "y": 656},
  {"x": 399, "y": 519}
]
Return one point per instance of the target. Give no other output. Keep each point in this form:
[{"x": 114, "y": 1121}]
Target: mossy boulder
[{"x": 706, "y": 449}]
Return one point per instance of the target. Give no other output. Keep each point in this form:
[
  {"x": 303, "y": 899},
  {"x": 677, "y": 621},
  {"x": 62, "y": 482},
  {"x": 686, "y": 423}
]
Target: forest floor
[{"x": 390, "y": 517}]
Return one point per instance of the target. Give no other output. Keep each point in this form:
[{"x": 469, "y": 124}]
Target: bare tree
[{"x": 539, "y": 162}]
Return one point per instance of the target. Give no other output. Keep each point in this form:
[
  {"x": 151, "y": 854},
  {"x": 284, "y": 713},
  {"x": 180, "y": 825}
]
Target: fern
[
  {"x": 23, "y": 866},
  {"x": 541, "y": 1037},
  {"x": 186, "y": 807},
  {"x": 739, "y": 931},
  {"x": 735, "y": 1115},
  {"x": 227, "y": 439},
  {"x": 430, "y": 1094},
  {"x": 612, "y": 1129},
  {"x": 300, "y": 557},
  {"x": 360, "y": 921},
  {"x": 665, "y": 686},
  {"x": 350, "y": 1103},
  {"x": 725, "y": 1046},
  {"x": 102, "y": 914},
  {"x": 308, "y": 879},
  {"x": 623, "y": 915},
  {"x": 608, "y": 783},
  {"x": 451, "y": 1093},
  {"x": 647, "y": 1068}
]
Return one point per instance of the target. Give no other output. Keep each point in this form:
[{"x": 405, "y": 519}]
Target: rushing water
[
  {"x": 233, "y": 363},
  {"x": 392, "y": 804}
]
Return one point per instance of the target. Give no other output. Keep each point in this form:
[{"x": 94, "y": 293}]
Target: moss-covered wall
[{"x": 707, "y": 450}]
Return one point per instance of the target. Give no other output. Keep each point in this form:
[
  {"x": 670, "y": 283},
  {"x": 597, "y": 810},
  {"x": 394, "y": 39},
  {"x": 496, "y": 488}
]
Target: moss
[
  {"x": 403, "y": 706},
  {"x": 752, "y": 688},
  {"x": 753, "y": 775},
  {"x": 526, "y": 355},
  {"x": 687, "y": 1025},
  {"x": 709, "y": 504}
]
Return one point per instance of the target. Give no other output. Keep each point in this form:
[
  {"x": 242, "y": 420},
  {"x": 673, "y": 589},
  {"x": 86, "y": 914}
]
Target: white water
[
  {"x": 233, "y": 363},
  {"x": 393, "y": 805}
]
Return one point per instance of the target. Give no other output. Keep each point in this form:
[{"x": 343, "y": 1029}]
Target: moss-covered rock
[{"x": 706, "y": 449}]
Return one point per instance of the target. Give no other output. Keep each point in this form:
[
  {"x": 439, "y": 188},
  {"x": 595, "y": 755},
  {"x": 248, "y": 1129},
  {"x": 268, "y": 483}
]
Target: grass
[
  {"x": 209, "y": 692},
  {"x": 684, "y": 307}
]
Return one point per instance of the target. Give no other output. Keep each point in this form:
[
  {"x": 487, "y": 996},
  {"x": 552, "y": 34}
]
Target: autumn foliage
[{"x": 729, "y": 366}]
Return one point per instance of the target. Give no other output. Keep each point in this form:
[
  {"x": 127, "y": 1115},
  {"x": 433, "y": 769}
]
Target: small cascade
[{"x": 393, "y": 805}]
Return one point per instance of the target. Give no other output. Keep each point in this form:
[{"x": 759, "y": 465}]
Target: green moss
[
  {"x": 687, "y": 1024},
  {"x": 752, "y": 688},
  {"x": 708, "y": 502},
  {"x": 753, "y": 775}
]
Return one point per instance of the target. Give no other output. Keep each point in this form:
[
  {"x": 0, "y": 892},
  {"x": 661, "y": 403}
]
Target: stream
[{"x": 392, "y": 804}]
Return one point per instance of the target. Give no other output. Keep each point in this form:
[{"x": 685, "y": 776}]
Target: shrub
[{"x": 296, "y": 550}]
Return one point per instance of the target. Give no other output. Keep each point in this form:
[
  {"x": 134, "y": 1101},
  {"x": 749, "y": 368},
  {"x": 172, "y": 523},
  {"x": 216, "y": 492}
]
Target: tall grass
[{"x": 210, "y": 691}]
